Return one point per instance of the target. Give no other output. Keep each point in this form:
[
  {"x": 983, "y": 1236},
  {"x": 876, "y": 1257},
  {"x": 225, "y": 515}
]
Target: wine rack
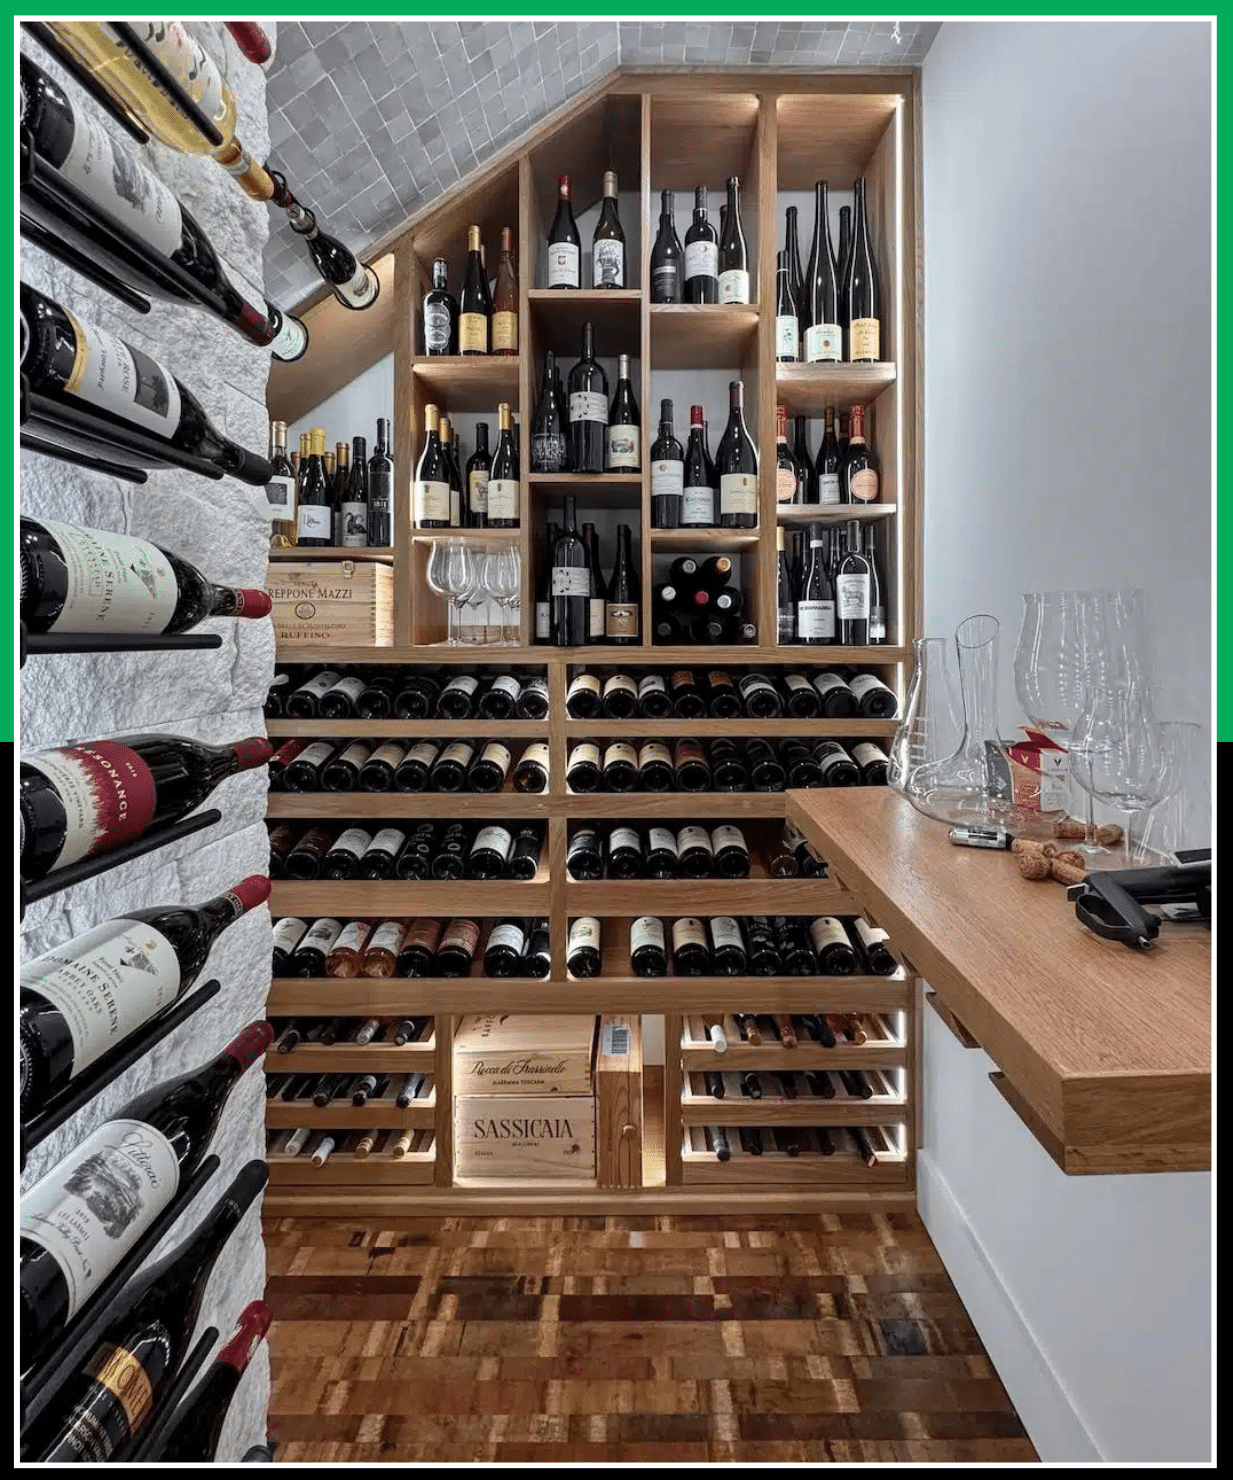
[{"x": 778, "y": 133}]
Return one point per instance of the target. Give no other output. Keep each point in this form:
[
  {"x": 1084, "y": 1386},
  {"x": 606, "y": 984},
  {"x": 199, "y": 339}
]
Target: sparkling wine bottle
[
  {"x": 80, "y": 800},
  {"x": 79, "y": 1220},
  {"x": 84, "y": 997},
  {"x": 198, "y": 1424},
  {"x": 81, "y": 366}
]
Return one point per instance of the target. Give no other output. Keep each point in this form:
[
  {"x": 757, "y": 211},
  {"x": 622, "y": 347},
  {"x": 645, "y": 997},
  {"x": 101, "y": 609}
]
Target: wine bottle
[
  {"x": 381, "y": 953},
  {"x": 597, "y": 608},
  {"x": 736, "y": 462},
  {"x": 862, "y": 296},
  {"x": 505, "y": 299},
  {"x": 624, "y": 430},
  {"x": 588, "y": 409},
  {"x": 490, "y": 768},
  {"x": 800, "y": 764},
  {"x": 608, "y": 244},
  {"x": 475, "y": 308},
  {"x": 838, "y": 767},
  {"x": 503, "y": 484},
  {"x": 787, "y": 319},
  {"x": 789, "y": 478},
  {"x": 449, "y": 448},
  {"x": 582, "y": 771},
  {"x": 490, "y": 852},
  {"x": 623, "y": 852},
  {"x": 280, "y": 491},
  {"x": 860, "y": 467},
  {"x": 584, "y": 860},
  {"x": 571, "y": 582},
  {"x": 731, "y": 852},
  {"x": 524, "y": 859},
  {"x": 693, "y": 771},
  {"x": 314, "y": 517},
  {"x": 829, "y": 465},
  {"x": 80, "y": 1219},
  {"x": 342, "y": 771},
  {"x": 804, "y": 460},
  {"x": 98, "y": 48},
  {"x": 354, "y": 504},
  {"x": 378, "y": 859},
  {"x": 873, "y": 762},
  {"x": 342, "y": 861},
  {"x": 667, "y": 256},
  {"x": 353, "y": 284},
  {"x": 564, "y": 244},
  {"x": 875, "y": 947},
  {"x": 503, "y": 951},
  {"x": 733, "y": 253},
  {"x": 717, "y": 1140},
  {"x": 549, "y": 440},
  {"x": 785, "y": 593},
  {"x": 75, "y": 579},
  {"x": 623, "y": 597},
  {"x": 852, "y": 592},
  {"x": 440, "y": 313},
  {"x": 77, "y": 801},
  {"x": 792, "y": 261},
  {"x": 620, "y": 768},
  {"x": 648, "y": 956},
  {"x": 69, "y": 361},
  {"x": 288, "y": 933},
  {"x": 661, "y": 860},
  {"x": 824, "y": 336},
  {"x": 418, "y": 956},
  {"x": 539, "y": 956},
  {"x": 877, "y": 599},
  {"x": 843, "y": 253},
  {"x": 760, "y": 696},
  {"x": 381, "y": 490},
  {"x": 431, "y": 497},
  {"x": 701, "y": 255},
  {"x": 766, "y": 772},
  {"x": 698, "y": 492},
  {"x": 457, "y": 948},
  {"x": 532, "y": 701},
  {"x": 835, "y": 954},
  {"x": 112, "y": 1399},
  {"x": 531, "y": 772},
  {"x": 582, "y": 953},
  {"x": 83, "y": 998},
  {"x": 690, "y": 953},
  {"x": 449, "y": 771},
  {"x": 655, "y": 768},
  {"x": 728, "y": 956},
  {"x": 198, "y": 1424},
  {"x": 815, "y": 608},
  {"x": 667, "y": 473},
  {"x": 344, "y": 958}
]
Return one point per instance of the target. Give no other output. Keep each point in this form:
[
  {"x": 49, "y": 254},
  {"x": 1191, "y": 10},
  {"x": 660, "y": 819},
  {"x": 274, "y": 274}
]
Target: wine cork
[
  {"x": 1066, "y": 873},
  {"x": 1033, "y": 865}
]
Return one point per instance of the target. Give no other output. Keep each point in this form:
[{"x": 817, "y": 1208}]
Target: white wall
[{"x": 1067, "y": 231}]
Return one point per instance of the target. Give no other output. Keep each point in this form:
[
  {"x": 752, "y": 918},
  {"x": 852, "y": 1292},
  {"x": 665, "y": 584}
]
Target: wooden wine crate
[
  {"x": 332, "y": 603},
  {"x": 618, "y": 1101},
  {"x": 525, "y": 1136},
  {"x": 497, "y": 1053}
]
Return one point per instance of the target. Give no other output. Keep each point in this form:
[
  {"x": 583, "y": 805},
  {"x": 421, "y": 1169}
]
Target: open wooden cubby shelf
[{"x": 659, "y": 130}]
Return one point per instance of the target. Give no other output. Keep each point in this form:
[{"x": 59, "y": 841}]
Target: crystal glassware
[{"x": 1118, "y": 753}]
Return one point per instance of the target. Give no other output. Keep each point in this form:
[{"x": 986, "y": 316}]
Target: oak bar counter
[{"x": 1104, "y": 1052}]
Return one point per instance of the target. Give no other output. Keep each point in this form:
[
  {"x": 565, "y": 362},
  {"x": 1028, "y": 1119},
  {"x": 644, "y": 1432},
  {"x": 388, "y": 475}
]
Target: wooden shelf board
[
  {"x": 585, "y": 729},
  {"x": 832, "y": 513},
  {"x": 470, "y": 536},
  {"x": 408, "y": 729},
  {"x": 343, "y": 1169},
  {"x": 558, "y": 314},
  {"x": 468, "y": 383},
  {"x": 377, "y": 1114},
  {"x": 372, "y": 556},
  {"x": 592, "y": 490},
  {"x": 775, "y": 1168},
  {"x": 714, "y": 541},
  {"x": 398, "y": 898},
  {"x": 362, "y": 1196},
  {"x": 543, "y": 654},
  {"x": 757, "y": 895},
  {"x": 775, "y": 1110},
  {"x": 352, "y": 1058},
  {"x": 393, "y": 804},
  {"x": 703, "y": 336},
  {"x": 652, "y": 804},
  {"x": 697, "y": 1052},
  {"x": 807, "y": 390}
]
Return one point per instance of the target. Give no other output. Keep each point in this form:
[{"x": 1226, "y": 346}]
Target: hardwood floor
[{"x": 654, "y": 1339}]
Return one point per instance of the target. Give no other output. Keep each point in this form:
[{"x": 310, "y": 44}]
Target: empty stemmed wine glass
[
  {"x": 501, "y": 577},
  {"x": 1170, "y": 823},
  {"x": 438, "y": 577},
  {"x": 1118, "y": 754},
  {"x": 471, "y": 589},
  {"x": 451, "y": 573}
]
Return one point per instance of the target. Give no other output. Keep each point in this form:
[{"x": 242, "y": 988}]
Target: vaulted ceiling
[{"x": 373, "y": 120}]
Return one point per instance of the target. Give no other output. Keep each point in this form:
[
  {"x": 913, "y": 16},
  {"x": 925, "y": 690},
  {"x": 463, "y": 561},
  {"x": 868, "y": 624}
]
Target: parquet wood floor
[{"x": 835, "y": 1337}]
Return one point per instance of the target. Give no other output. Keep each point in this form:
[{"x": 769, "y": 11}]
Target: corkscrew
[{"x": 1111, "y": 904}]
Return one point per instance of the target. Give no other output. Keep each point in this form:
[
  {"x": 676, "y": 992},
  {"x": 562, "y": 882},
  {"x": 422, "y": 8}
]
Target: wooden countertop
[{"x": 1104, "y": 1052}]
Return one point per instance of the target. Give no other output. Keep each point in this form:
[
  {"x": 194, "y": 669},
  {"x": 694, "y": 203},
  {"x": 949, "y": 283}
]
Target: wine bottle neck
[{"x": 254, "y": 1322}]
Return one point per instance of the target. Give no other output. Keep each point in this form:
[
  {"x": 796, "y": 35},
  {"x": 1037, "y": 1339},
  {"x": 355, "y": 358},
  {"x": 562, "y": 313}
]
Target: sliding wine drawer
[
  {"x": 886, "y": 1107},
  {"x": 351, "y": 1058},
  {"x": 757, "y": 895},
  {"x": 774, "y": 1168},
  {"x": 884, "y": 1048},
  {"x": 283, "y": 1115},
  {"x": 343, "y": 1169}
]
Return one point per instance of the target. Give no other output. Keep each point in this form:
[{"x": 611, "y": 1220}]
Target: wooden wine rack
[{"x": 662, "y": 130}]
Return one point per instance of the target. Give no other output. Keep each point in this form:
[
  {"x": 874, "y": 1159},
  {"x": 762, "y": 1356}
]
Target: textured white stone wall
[{"x": 214, "y": 696}]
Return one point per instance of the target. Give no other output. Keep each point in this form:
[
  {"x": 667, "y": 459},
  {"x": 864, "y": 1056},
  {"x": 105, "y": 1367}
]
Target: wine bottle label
[
  {"x": 425, "y": 933},
  {"x": 113, "y": 582},
  {"x": 667, "y": 478},
  {"x": 458, "y": 750},
  {"x": 583, "y": 683},
  {"x": 827, "y": 683},
  {"x": 620, "y": 683},
  {"x": 356, "y": 754},
  {"x": 188, "y": 63},
  {"x": 797, "y": 681},
  {"x": 436, "y": 328},
  {"x": 506, "y": 683},
  {"x": 316, "y": 753},
  {"x": 462, "y": 683},
  {"x": 288, "y": 933},
  {"x": 314, "y": 522},
  {"x": 280, "y": 499},
  {"x": 388, "y": 840},
  {"x": 351, "y": 688},
  {"x": 787, "y": 337},
  {"x": 692, "y": 836},
  {"x": 623, "y": 837},
  {"x": 650, "y": 683},
  {"x": 597, "y": 616},
  {"x": 687, "y": 932},
  {"x": 536, "y": 754},
  {"x": 543, "y": 621},
  {"x": 351, "y": 937},
  {"x": 864, "y": 339},
  {"x": 823, "y": 342},
  {"x": 496, "y": 754},
  {"x": 827, "y": 931},
  {"x": 870, "y": 935},
  {"x": 90, "y": 1209},
  {"x": 863, "y": 486},
  {"x": 123, "y": 1376},
  {"x": 571, "y": 580},
  {"x": 828, "y": 488},
  {"x": 105, "y": 984},
  {"x": 477, "y": 491},
  {"x": 505, "y": 331},
  {"x": 548, "y": 452},
  {"x": 322, "y": 934},
  {"x": 107, "y": 791},
  {"x": 738, "y": 493},
  {"x": 510, "y": 934},
  {"x": 352, "y": 840},
  {"x": 666, "y": 283},
  {"x": 583, "y": 753},
  {"x": 388, "y": 936},
  {"x": 431, "y": 501},
  {"x": 701, "y": 259},
  {"x": 620, "y": 750},
  {"x": 877, "y": 624},
  {"x": 564, "y": 265},
  {"x": 503, "y": 498},
  {"x": 112, "y": 176},
  {"x": 697, "y": 504},
  {"x": 622, "y": 619},
  {"x": 588, "y": 406},
  {"x": 726, "y": 835},
  {"x": 118, "y": 378},
  {"x": 461, "y": 935},
  {"x": 608, "y": 264},
  {"x": 661, "y": 838},
  {"x": 852, "y": 597},
  {"x": 734, "y": 286},
  {"x": 359, "y": 290},
  {"x": 646, "y": 931},
  {"x": 583, "y": 932},
  {"x": 866, "y": 753},
  {"x": 355, "y": 526},
  {"x": 624, "y": 447},
  {"x": 654, "y": 750},
  {"x": 291, "y": 340},
  {"x": 785, "y": 485},
  {"x": 388, "y": 753},
  {"x": 815, "y": 620}
]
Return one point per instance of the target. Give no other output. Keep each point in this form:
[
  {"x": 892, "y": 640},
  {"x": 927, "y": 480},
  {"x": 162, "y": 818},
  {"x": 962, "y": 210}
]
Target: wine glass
[
  {"x": 1118, "y": 754},
  {"x": 438, "y": 576},
  {"x": 1181, "y": 816},
  {"x": 467, "y": 582},
  {"x": 501, "y": 577}
]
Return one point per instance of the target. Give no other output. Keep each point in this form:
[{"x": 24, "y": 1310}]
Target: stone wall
[{"x": 212, "y": 695}]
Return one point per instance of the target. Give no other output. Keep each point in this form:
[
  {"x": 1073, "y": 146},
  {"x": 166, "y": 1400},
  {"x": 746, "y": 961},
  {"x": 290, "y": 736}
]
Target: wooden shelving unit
[{"x": 778, "y": 132}]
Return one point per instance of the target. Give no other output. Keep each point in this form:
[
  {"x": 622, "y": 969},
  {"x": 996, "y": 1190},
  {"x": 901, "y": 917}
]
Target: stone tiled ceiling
[{"x": 373, "y": 120}]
